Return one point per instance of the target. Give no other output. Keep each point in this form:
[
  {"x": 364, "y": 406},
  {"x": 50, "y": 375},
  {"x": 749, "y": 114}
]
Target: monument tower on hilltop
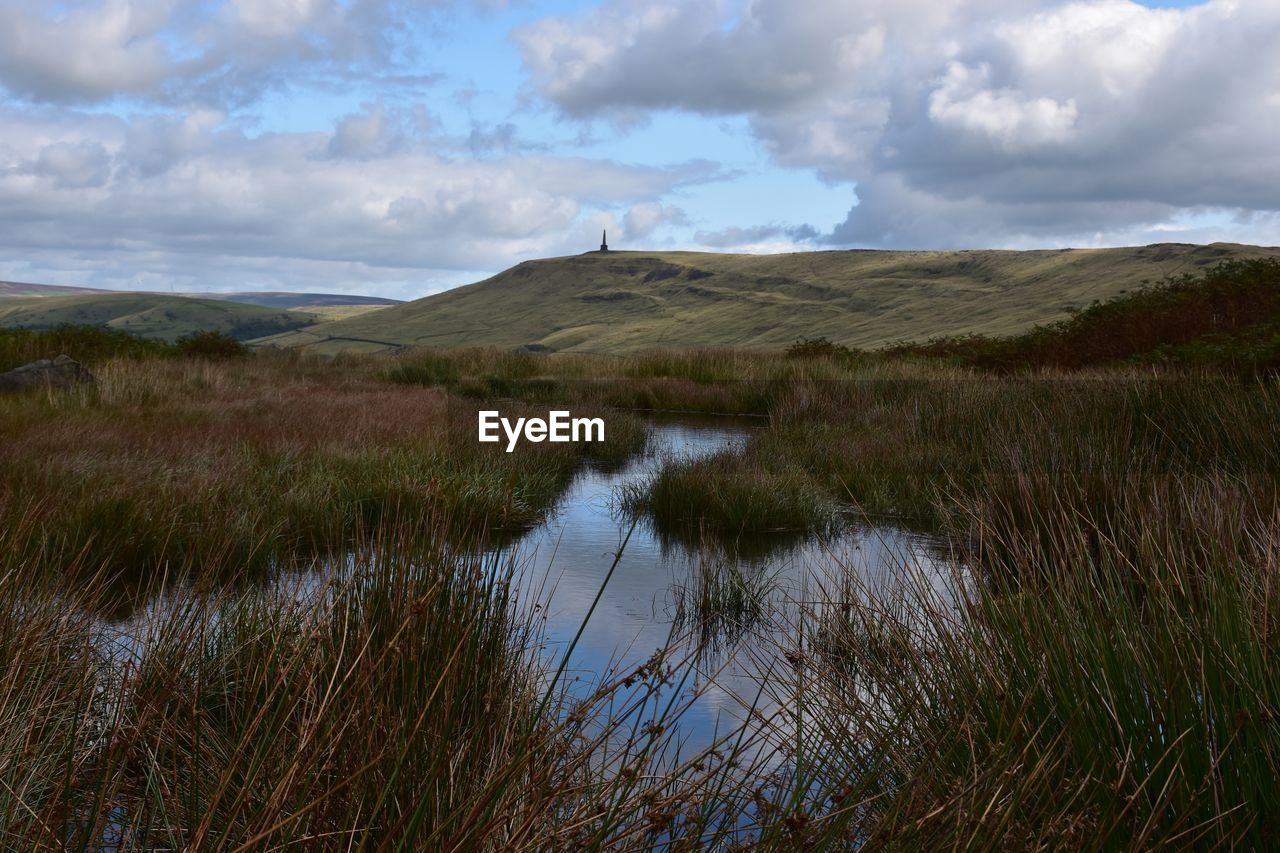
[{"x": 604, "y": 241}]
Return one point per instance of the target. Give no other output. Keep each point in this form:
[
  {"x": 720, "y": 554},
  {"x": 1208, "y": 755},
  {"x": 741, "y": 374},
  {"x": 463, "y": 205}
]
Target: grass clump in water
[
  {"x": 724, "y": 496},
  {"x": 721, "y": 600}
]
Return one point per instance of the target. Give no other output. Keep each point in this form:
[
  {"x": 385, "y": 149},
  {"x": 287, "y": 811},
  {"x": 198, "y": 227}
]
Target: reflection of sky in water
[{"x": 564, "y": 561}]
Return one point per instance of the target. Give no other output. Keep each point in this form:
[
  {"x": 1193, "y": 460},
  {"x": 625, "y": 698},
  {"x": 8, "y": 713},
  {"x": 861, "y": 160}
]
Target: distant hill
[
  {"x": 626, "y": 301},
  {"x": 154, "y": 314},
  {"x": 150, "y": 315},
  {"x": 282, "y": 299},
  {"x": 19, "y": 289},
  {"x": 265, "y": 298}
]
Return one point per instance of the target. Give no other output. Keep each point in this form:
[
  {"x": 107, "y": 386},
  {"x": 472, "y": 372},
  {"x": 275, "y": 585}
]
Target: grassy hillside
[
  {"x": 281, "y": 299},
  {"x": 1226, "y": 318},
  {"x": 323, "y": 306},
  {"x": 150, "y": 315},
  {"x": 21, "y": 289},
  {"x": 627, "y": 301}
]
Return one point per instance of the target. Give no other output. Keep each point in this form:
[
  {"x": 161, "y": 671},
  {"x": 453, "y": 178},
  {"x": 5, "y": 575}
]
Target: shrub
[
  {"x": 821, "y": 347},
  {"x": 87, "y": 344},
  {"x": 210, "y": 344}
]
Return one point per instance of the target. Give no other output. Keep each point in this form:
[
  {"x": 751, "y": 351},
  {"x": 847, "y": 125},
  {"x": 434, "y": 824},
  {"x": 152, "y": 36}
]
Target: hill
[
  {"x": 326, "y": 304},
  {"x": 1227, "y": 318},
  {"x": 21, "y": 289},
  {"x": 150, "y": 315},
  {"x": 626, "y": 301},
  {"x": 291, "y": 301}
]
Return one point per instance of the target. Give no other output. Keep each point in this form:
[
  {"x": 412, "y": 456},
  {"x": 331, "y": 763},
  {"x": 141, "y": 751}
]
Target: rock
[{"x": 59, "y": 372}]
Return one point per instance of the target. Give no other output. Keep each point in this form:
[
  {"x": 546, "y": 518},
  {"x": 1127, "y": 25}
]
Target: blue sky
[{"x": 400, "y": 147}]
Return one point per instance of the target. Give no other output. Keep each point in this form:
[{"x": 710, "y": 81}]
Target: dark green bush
[
  {"x": 821, "y": 347},
  {"x": 210, "y": 344},
  {"x": 87, "y": 344}
]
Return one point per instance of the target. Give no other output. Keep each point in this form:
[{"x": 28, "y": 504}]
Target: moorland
[
  {"x": 619, "y": 302},
  {"x": 1103, "y": 486}
]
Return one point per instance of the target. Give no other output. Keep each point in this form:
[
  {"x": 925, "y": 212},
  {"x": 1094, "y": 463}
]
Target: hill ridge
[
  {"x": 150, "y": 315},
  {"x": 623, "y": 301}
]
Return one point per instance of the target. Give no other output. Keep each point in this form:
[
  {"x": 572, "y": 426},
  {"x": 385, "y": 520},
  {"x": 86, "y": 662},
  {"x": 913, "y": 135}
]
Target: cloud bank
[
  {"x": 133, "y": 152},
  {"x": 961, "y": 122}
]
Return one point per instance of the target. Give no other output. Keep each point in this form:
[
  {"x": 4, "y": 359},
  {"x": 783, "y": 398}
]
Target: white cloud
[
  {"x": 218, "y": 55},
  {"x": 973, "y": 122},
  {"x": 1013, "y": 122},
  {"x": 643, "y": 219},
  {"x": 279, "y": 18},
  {"x": 84, "y": 53},
  {"x": 189, "y": 192},
  {"x": 773, "y": 238}
]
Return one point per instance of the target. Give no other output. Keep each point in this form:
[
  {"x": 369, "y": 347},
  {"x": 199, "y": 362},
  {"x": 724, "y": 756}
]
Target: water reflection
[
  {"x": 732, "y": 609},
  {"x": 727, "y": 613}
]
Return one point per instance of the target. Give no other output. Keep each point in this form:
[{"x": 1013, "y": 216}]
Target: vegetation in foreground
[
  {"x": 394, "y": 705},
  {"x": 1106, "y": 682},
  {"x": 235, "y": 465}
]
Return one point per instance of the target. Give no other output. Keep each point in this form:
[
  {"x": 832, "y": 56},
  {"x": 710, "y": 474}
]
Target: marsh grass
[
  {"x": 699, "y": 381},
  {"x": 721, "y": 600},
  {"x": 1108, "y": 682},
  {"x": 1113, "y": 698},
  {"x": 396, "y": 704},
  {"x": 915, "y": 451},
  {"x": 719, "y": 493},
  {"x": 248, "y": 462}
]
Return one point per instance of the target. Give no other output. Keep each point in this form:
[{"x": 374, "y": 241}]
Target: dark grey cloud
[
  {"x": 959, "y": 121},
  {"x": 73, "y": 165}
]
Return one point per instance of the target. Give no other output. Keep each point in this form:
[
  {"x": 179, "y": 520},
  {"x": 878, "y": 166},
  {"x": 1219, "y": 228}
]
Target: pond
[{"x": 724, "y": 613}]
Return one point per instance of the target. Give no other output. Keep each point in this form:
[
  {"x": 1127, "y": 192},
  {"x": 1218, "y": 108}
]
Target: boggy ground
[
  {"x": 231, "y": 464},
  {"x": 1109, "y": 681}
]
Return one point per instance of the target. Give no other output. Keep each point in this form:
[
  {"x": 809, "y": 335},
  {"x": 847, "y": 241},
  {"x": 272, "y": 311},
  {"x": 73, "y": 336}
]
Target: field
[
  {"x": 630, "y": 301},
  {"x": 323, "y": 642}
]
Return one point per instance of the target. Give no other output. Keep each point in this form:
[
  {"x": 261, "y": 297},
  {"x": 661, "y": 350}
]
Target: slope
[
  {"x": 22, "y": 289},
  {"x": 150, "y": 315},
  {"x": 625, "y": 301}
]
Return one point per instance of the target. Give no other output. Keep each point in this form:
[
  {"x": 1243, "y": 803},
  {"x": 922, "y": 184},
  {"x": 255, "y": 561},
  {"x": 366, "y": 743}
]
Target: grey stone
[{"x": 59, "y": 372}]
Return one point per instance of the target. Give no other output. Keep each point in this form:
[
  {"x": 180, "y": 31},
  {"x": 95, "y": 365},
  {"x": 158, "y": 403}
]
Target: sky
[{"x": 402, "y": 147}]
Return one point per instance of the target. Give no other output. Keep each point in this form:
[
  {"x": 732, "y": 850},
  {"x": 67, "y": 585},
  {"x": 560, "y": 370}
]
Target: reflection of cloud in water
[
  {"x": 565, "y": 561},
  {"x": 562, "y": 563}
]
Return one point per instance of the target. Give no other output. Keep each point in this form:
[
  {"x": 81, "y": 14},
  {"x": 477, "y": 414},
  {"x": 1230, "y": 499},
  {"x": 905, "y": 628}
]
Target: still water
[
  {"x": 721, "y": 665},
  {"x": 645, "y": 606}
]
